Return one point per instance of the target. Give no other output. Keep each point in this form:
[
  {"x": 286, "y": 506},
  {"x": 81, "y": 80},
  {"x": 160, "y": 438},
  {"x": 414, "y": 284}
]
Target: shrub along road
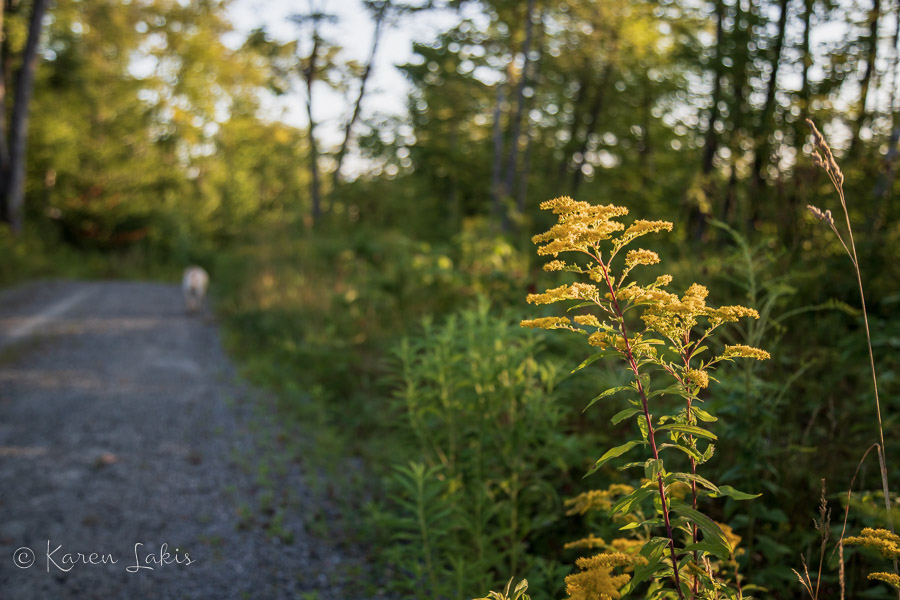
[{"x": 131, "y": 457}]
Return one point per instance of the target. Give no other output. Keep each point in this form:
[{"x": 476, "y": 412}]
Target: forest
[{"x": 394, "y": 287}]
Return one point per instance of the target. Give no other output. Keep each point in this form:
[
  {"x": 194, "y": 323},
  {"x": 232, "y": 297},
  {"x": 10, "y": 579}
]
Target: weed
[{"x": 664, "y": 351}]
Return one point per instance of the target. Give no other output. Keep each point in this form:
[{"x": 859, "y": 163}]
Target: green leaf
[
  {"x": 688, "y": 429},
  {"x": 703, "y": 415},
  {"x": 593, "y": 358},
  {"x": 631, "y": 465},
  {"x": 727, "y": 490},
  {"x": 613, "y": 453},
  {"x": 706, "y": 547},
  {"x": 688, "y": 477},
  {"x": 609, "y": 392},
  {"x": 653, "y": 468},
  {"x": 675, "y": 388},
  {"x": 622, "y": 415},
  {"x": 713, "y": 534},
  {"x": 689, "y": 451},
  {"x": 655, "y": 547},
  {"x": 699, "y": 350},
  {"x": 625, "y": 503},
  {"x": 642, "y": 425},
  {"x": 579, "y": 305},
  {"x": 521, "y": 587}
]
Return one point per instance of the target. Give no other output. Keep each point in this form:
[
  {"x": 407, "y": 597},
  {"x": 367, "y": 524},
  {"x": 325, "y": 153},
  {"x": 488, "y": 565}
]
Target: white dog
[{"x": 194, "y": 284}]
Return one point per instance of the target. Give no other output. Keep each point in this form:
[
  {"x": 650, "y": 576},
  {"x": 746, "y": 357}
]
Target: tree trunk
[
  {"x": 712, "y": 139},
  {"x": 577, "y": 108},
  {"x": 808, "y": 8},
  {"x": 885, "y": 185},
  {"x": 14, "y": 184},
  {"x": 761, "y": 157},
  {"x": 313, "y": 148},
  {"x": 866, "y": 81},
  {"x": 4, "y": 147},
  {"x": 380, "y": 15},
  {"x": 796, "y": 198},
  {"x": 578, "y": 157},
  {"x": 497, "y": 195},
  {"x": 513, "y": 158},
  {"x": 741, "y": 60},
  {"x": 522, "y": 190}
]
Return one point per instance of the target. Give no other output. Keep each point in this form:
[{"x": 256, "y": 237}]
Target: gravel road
[{"x": 135, "y": 464}]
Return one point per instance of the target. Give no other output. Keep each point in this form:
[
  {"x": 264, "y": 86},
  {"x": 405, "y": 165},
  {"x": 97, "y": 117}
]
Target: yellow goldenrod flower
[
  {"x": 641, "y": 257},
  {"x": 742, "y": 351},
  {"x": 589, "y": 320},
  {"x": 558, "y": 294},
  {"x": 555, "y": 265},
  {"x": 697, "y": 291},
  {"x": 890, "y": 578},
  {"x": 627, "y": 545},
  {"x": 731, "y": 314},
  {"x": 547, "y": 323},
  {"x": 642, "y": 227},
  {"x": 696, "y": 377},
  {"x": 885, "y": 542},
  {"x": 596, "y": 580},
  {"x": 734, "y": 539},
  {"x": 591, "y": 541},
  {"x": 596, "y": 499},
  {"x": 661, "y": 281}
]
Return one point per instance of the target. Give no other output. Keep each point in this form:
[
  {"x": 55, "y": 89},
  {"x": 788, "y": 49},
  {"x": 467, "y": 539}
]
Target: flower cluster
[
  {"x": 742, "y": 351},
  {"x": 882, "y": 540},
  {"x": 590, "y": 542},
  {"x": 696, "y": 378},
  {"x": 596, "y": 579},
  {"x": 889, "y": 578},
  {"x": 596, "y": 499},
  {"x": 580, "y": 226},
  {"x": 576, "y": 291},
  {"x": 547, "y": 323},
  {"x": 641, "y": 257}
]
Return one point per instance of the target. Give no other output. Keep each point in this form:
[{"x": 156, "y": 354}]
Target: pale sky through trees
[{"x": 387, "y": 89}]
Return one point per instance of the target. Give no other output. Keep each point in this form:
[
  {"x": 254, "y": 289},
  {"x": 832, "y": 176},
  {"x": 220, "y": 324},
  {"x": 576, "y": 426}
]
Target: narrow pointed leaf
[
  {"x": 593, "y": 358},
  {"x": 614, "y": 453},
  {"x": 622, "y": 415},
  {"x": 712, "y": 533},
  {"x": 688, "y": 429},
  {"x": 609, "y": 392},
  {"x": 727, "y": 490},
  {"x": 703, "y": 415}
]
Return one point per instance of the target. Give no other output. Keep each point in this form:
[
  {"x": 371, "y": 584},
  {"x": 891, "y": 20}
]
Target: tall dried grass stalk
[{"x": 824, "y": 158}]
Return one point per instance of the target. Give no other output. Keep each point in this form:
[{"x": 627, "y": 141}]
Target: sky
[{"x": 386, "y": 90}]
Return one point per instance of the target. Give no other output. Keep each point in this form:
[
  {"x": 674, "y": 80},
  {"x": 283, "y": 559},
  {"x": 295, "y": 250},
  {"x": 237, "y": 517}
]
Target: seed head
[{"x": 824, "y": 157}]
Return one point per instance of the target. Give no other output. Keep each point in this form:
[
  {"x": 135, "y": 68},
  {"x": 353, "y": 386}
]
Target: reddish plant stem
[
  {"x": 629, "y": 356},
  {"x": 695, "y": 588}
]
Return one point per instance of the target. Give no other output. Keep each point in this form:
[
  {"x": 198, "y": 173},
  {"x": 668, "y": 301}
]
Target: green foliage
[{"x": 481, "y": 410}]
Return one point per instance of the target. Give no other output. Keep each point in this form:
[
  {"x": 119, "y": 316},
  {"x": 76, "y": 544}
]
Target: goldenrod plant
[{"x": 664, "y": 341}]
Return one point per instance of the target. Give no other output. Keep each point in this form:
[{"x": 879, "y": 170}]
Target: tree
[
  {"x": 12, "y": 147},
  {"x": 380, "y": 11},
  {"x": 311, "y": 67}
]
